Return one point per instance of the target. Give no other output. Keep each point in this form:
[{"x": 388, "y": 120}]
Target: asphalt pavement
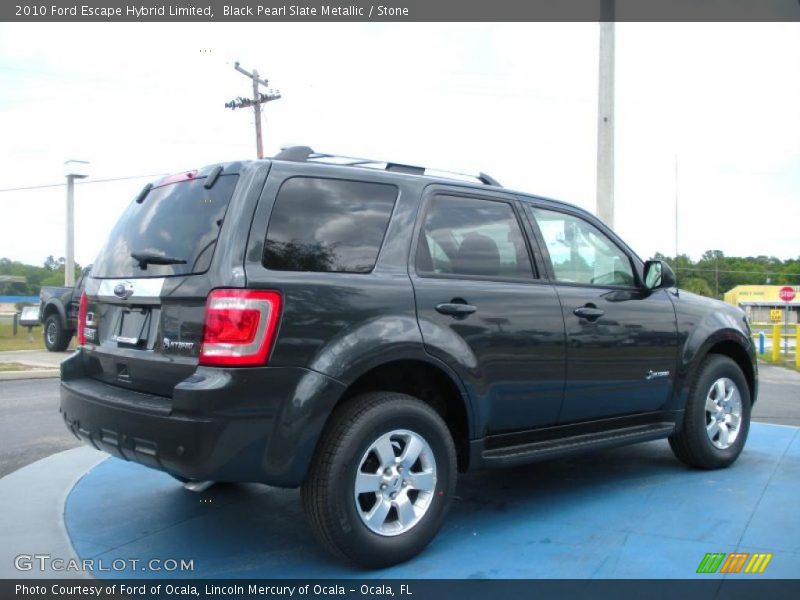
[
  {"x": 31, "y": 427},
  {"x": 778, "y": 397},
  {"x": 30, "y": 424}
]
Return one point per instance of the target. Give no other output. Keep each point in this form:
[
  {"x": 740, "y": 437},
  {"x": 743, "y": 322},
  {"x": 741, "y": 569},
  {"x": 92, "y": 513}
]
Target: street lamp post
[{"x": 73, "y": 169}]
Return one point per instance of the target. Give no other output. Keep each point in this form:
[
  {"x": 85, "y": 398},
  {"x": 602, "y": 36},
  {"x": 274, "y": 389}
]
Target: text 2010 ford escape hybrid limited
[{"x": 364, "y": 331}]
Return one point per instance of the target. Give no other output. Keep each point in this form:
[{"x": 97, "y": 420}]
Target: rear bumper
[{"x": 255, "y": 424}]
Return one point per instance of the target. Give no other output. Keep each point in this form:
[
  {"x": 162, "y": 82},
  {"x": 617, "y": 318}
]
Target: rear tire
[
  {"x": 717, "y": 416},
  {"x": 399, "y": 452},
  {"x": 56, "y": 338}
]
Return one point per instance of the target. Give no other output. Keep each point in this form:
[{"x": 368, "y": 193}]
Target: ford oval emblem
[{"x": 123, "y": 290}]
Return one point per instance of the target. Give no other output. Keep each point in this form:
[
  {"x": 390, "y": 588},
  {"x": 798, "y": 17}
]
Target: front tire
[
  {"x": 382, "y": 480},
  {"x": 56, "y": 338},
  {"x": 717, "y": 416}
]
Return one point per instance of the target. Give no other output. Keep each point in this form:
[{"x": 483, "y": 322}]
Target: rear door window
[
  {"x": 470, "y": 237},
  {"x": 328, "y": 225},
  {"x": 179, "y": 220}
]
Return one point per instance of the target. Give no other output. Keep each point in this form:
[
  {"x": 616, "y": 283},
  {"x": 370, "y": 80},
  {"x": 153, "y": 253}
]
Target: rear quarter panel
[{"x": 341, "y": 324}]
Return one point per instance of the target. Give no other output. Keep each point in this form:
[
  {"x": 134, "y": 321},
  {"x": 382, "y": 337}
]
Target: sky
[{"x": 517, "y": 101}]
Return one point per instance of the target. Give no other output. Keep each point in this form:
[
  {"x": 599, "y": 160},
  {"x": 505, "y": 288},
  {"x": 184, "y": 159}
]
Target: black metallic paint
[
  {"x": 609, "y": 358},
  {"x": 508, "y": 360},
  {"x": 703, "y": 325},
  {"x": 255, "y": 424}
]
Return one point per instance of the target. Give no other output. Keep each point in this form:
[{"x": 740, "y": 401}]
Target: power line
[
  {"x": 736, "y": 271},
  {"x": 51, "y": 185}
]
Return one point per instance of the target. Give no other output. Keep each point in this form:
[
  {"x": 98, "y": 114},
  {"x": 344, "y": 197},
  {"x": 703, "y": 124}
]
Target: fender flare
[
  {"x": 53, "y": 306},
  {"x": 694, "y": 355},
  {"x": 417, "y": 353}
]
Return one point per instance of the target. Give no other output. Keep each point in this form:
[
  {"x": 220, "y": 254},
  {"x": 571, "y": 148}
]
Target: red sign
[{"x": 786, "y": 293}]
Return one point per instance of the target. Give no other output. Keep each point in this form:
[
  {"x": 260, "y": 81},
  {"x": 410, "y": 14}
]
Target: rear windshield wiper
[{"x": 151, "y": 258}]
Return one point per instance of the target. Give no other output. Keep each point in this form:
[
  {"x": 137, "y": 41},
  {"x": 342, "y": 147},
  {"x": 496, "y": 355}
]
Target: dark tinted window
[
  {"x": 179, "y": 220},
  {"x": 328, "y": 225},
  {"x": 467, "y": 236}
]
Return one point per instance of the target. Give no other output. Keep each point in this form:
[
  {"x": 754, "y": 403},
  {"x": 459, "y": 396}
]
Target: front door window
[{"x": 581, "y": 253}]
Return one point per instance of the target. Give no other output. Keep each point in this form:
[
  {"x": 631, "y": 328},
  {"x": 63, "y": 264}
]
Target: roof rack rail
[{"x": 306, "y": 154}]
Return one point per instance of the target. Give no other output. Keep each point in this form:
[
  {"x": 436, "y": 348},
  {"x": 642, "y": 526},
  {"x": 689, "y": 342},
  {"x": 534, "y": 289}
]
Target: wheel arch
[
  {"x": 739, "y": 355},
  {"x": 51, "y": 308},
  {"x": 426, "y": 379},
  {"x": 734, "y": 345}
]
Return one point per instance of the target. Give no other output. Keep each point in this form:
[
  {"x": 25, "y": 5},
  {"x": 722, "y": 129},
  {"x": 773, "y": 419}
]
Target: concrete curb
[
  {"x": 40, "y": 364},
  {"x": 34, "y": 374}
]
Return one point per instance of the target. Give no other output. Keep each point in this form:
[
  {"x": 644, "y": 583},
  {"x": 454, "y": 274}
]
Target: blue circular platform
[{"x": 632, "y": 512}]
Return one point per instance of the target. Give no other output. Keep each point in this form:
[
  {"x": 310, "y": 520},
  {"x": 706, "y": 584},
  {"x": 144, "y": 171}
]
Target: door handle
[
  {"x": 458, "y": 310},
  {"x": 591, "y": 313}
]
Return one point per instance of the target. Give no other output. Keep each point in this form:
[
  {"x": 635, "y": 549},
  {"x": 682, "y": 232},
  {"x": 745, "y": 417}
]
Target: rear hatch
[{"x": 147, "y": 292}]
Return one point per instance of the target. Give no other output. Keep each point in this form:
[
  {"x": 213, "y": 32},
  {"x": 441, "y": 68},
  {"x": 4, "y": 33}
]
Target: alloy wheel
[
  {"x": 723, "y": 413},
  {"x": 395, "y": 482}
]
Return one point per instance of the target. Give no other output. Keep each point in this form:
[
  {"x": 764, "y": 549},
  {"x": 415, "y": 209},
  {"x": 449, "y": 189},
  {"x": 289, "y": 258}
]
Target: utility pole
[
  {"x": 676, "y": 206},
  {"x": 73, "y": 169},
  {"x": 256, "y": 101},
  {"x": 69, "y": 261},
  {"x": 605, "y": 116}
]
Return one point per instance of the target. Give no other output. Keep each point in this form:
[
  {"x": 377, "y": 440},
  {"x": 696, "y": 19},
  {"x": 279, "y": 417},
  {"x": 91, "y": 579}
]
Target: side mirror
[{"x": 658, "y": 275}]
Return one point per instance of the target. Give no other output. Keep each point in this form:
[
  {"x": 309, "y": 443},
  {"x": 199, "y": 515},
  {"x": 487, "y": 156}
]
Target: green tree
[
  {"x": 720, "y": 272},
  {"x": 696, "y": 285},
  {"x": 53, "y": 264},
  {"x": 50, "y": 273}
]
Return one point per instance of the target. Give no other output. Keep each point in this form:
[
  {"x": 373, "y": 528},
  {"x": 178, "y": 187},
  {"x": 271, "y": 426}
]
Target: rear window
[
  {"x": 179, "y": 220},
  {"x": 328, "y": 225}
]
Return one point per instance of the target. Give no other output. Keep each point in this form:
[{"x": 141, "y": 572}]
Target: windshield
[{"x": 179, "y": 220}]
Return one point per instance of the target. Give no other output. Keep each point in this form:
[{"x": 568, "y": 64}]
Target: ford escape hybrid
[{"x": 365, "y": 330}]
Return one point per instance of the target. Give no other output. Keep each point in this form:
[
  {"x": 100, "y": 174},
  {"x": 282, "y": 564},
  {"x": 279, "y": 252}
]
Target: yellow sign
[
  {"x": 775, "y": 314},
  {"x": 757, "y": 294}
]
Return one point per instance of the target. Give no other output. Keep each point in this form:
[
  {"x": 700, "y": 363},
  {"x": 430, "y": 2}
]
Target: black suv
[{"x": 364, "y": 330}]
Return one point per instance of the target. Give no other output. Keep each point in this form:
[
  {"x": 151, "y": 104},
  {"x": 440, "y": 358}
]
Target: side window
[
  {"x": 471, "y": 237},
  {"x": 580, "y": 252},
  {"x": 328, "y": 225}
]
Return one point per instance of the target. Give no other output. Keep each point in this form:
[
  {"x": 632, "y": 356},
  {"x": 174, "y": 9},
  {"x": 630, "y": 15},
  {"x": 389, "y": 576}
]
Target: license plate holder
[{"x": 133, "y": 327}]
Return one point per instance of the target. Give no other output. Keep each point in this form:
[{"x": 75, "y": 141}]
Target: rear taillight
[
  {"x": 82, "y": 308},
  {"x": 239, "y": 327}
]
